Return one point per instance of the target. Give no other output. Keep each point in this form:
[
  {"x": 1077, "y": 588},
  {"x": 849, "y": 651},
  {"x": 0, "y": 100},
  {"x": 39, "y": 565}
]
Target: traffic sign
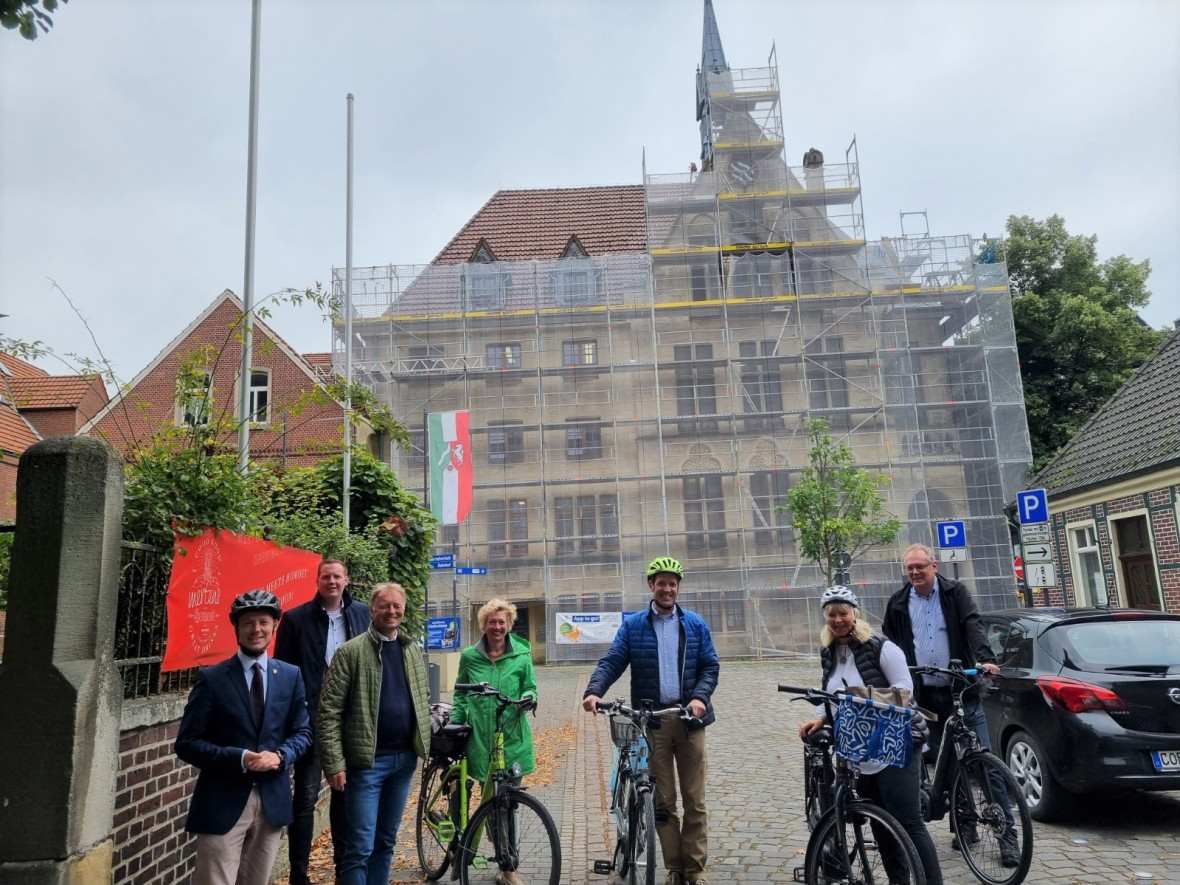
[
  {"x": 1037, "y": 553},
  {"x": 1041, "y": 574},
  {"x": 952, "y": 554},
  {"x": 1018, "y": 565},
  {"x": 471, "y": 570},
  {"x": 952, "y": 534},
  {"x": 1035, "y": 533},
  {"x": 442, "y": 561},
  {"x": 1032, "y": 506}
]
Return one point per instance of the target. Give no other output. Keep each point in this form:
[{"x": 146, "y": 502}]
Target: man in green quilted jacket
[{"x": 374, "y": 726}]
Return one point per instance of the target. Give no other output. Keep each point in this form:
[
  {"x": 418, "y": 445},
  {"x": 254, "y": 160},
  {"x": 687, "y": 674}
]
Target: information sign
[
  {"x": 442, "y": 561},
  {"x": 1032, "y": 506},
  {"x": 1040, "y": 574},
  {"x": 442, "y": 634},
  {"x": 952, "y": 534},
  {"x": 952, "y": 554},
  {"x": 471, "y": 570},
  {"x": 1037, "y": 553},
  {"x": 1035, "y": 533}
]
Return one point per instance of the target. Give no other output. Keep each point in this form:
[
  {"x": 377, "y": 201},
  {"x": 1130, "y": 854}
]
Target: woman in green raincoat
[{"x": 504, "y": 661}]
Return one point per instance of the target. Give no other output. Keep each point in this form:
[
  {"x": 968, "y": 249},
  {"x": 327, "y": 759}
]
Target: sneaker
[
  {"x": 1009, "y": 850},
  {"x": 700, "y": 879},
  {"x": 674, "y": 877},
  {"x": 508, "y": 877}
]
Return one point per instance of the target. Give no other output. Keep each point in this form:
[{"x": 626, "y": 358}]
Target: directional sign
[
  {"x": 1040, "y": 574},
  {"x": 1032, "y": 506},
  {"x": 952, "y": 534},
  {"x": 442, "y": 560},
  {"x": 1035, "y": 533},
  {"x": 1037, "y": 553},
  {"x": 952, "y": 554},
  {"x": 471, "y": 570}
]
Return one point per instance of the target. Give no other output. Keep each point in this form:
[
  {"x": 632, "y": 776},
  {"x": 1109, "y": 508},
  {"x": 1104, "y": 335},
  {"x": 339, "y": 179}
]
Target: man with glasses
[{"x": 934, "y": 619}]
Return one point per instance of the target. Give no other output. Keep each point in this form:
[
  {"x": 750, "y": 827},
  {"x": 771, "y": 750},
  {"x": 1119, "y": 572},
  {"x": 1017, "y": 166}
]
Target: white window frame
[
  {"x": 1083, "y": 593},
  {"x": 191, "y": 398},
  {"x": 268, "y": 390}
]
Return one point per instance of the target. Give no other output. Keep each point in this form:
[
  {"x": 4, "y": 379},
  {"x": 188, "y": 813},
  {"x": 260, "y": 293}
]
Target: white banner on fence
[{"x": 587, "y": 626}]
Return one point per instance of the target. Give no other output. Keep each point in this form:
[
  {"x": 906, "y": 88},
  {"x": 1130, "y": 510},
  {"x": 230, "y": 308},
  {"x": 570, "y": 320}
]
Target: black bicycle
[
  {"x": 853, "y": 841},
  {"x": 989, "y": 815}
]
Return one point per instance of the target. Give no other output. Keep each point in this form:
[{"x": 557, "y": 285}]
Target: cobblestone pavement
[
  {"x": 757, "y": 833},
  {"x": 756, "y": 829}
]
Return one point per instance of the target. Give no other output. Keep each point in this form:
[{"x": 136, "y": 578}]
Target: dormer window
[{"x": 486, "y": 287}]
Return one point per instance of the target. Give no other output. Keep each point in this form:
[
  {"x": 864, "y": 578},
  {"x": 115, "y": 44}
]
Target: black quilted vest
[{"x": 867, "y": 655}]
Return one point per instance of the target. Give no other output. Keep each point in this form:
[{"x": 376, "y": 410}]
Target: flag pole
[
  {"x": 426, "y": 502},
  {"x": 348, "y": 325},
  {"x": 248, "y": 283}
]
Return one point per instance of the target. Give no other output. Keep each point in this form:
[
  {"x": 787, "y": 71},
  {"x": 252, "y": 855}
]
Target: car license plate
[{"x": 1166, "y": 760}]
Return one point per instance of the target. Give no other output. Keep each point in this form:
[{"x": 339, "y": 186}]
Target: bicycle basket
[
  {"x": 450, "y": 741},
  {"x": 870, "y": 731},
  {"x": 623, "y": 732}
]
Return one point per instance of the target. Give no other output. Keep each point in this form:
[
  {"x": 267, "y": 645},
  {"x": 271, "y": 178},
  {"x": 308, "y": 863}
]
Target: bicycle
[
  {"x": 633, "y": 791},
  {"x": 841, "y": 848},
  {"x": 989, "y": 815},
  {"x": 522, "y": 835}
]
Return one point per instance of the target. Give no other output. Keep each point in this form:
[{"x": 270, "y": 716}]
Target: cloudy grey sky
[{"x": 123, "y": 132}]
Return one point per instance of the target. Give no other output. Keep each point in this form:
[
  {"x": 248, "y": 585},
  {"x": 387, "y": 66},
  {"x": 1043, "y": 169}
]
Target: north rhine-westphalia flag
[{"x": 450, "y": 466}]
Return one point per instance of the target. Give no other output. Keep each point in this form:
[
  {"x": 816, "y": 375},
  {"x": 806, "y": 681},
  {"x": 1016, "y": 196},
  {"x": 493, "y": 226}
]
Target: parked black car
[{"x": 1087, "y": 701}]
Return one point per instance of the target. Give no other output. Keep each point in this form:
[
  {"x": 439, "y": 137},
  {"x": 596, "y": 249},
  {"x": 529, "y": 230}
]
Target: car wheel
[{"x": 1027, "y": 761}]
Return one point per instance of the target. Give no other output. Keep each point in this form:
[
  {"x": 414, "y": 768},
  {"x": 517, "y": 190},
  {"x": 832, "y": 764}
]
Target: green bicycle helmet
[{"x": 665, "y": 564}]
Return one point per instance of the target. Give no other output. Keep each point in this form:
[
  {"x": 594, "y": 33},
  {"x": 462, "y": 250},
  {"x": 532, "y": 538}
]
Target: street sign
[
  {"x": 1035, "y": 533},
  {"x": 471, "y": 570},
  {"x": 952, "y": 534},
  {"x": 1032, "y": 506},
  {"x": 952, "y": 554},
  {"x": 1041, "y": 574},
  {"x": 442, "y": 561},
  {"x": 1037, "y": 553},
  {"x": 1018, "y": 565}
]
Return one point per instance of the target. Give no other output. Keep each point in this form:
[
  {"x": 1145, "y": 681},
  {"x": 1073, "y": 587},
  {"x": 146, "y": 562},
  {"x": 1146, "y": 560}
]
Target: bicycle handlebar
[
  {"x": 622, "y": 708},
  {"x": 484, "y": 689},
  {"x": 955, "y": 671}
]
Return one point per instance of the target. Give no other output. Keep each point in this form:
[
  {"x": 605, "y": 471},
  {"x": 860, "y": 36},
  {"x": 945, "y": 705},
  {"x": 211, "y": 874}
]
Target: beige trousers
[
  {"x": 679, "y": 754},
  {"x": 244, "y": 855}
]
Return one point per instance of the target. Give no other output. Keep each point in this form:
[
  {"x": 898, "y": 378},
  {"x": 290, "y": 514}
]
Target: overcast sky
[{"x": 123, "y": 133}]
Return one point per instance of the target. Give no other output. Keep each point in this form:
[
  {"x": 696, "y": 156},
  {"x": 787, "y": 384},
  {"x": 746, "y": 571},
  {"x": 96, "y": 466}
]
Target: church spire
[{"x": 712, "y": 55}]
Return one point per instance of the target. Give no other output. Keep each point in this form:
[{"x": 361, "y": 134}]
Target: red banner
[{"x": 208, "y": 571}]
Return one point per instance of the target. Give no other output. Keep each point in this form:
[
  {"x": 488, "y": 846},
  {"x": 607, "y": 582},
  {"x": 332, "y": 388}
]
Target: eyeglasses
[{"x": 916, "y": 568}]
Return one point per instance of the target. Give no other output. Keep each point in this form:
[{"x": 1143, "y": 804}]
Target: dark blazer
[
  {"x": 218, "y": 724},
  {"x": 302, "y": 640}
]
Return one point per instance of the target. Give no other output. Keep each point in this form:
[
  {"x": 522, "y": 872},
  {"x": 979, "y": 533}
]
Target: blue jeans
[{"x": 375, "y": 799}]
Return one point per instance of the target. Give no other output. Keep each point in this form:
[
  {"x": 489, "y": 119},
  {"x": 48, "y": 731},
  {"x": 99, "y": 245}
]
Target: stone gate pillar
[{"x": 60, "y": 695}]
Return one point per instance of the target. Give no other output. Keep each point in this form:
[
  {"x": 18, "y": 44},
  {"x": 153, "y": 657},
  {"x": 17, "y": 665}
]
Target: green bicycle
[{"x": 523, "y": 844}]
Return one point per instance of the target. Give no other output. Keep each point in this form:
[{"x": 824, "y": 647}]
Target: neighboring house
[
  {"x": 279, "y": 378},
  {"x": 640, "y": 361},
  {"x": 1114, "y": 495},
  {"x": 35, "y": 405}
]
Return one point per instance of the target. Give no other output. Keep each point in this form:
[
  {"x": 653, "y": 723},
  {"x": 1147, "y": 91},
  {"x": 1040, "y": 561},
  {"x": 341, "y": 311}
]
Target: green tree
[
  {"x": 27, "y": 16},
  {"x": 836, "y": 506},
  {"x": 1077, "y": 329}
]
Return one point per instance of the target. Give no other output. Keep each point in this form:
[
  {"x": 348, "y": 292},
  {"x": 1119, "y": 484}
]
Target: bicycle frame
[{"x": 958, "y": 739}]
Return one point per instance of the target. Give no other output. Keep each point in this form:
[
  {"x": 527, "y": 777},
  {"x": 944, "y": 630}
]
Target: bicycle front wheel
[
  {"x": 643, "y": 843},
  {"x": 991, "y": 820},
  {"x": 519, "y": 836},
  {"x": 435, "y": 825},
  {"x": 868, "y": 846}
]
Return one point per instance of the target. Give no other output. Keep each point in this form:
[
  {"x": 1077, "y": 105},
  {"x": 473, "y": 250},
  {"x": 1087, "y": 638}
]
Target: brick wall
[{"x": 151, "y": 798}]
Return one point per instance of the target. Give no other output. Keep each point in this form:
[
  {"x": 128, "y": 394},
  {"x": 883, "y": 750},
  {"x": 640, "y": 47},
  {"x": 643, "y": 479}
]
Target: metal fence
[{"x": 142, "y": 623}]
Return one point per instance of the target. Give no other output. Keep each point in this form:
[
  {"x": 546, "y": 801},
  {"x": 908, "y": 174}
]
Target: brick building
[
  {"x": 287, "y": 426},
  {"x": 1114, "y": 495}
]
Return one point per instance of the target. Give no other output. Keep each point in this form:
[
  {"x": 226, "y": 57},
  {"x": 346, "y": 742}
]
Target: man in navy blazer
[{"x": 244, "y": 726}]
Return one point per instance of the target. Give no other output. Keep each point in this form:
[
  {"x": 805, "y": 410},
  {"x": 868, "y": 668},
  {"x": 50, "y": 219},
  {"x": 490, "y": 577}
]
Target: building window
[
  {"x": 696, "y": 386},
  {"x": 700, "y": 288},
  {"x": 508, "y": 527},
  {"x": 769, "y": 491},
  {"x": 582, "y": 439},
  {"x": 704, "y": 513},
  {"x": 426, "y": 358},
  {"x": 505, "y": 442},
  {"x": 195, "y": 404},
  {"x": 259, "y": 396},
  {"x": 1089, "y": 585},
  {"x": 576, "y": 285},
  {"x": 504, "y": 356},
  {"x": 579, "y": 353},
  {"x": 416, "y": 456},
  {"x": 762, "y": 389},
  {"x": 448, "y": 536},
  {"x": 583, "y": 523},
  {"x": 827, "y": 382},
  {"x": 487, "y": 287}
]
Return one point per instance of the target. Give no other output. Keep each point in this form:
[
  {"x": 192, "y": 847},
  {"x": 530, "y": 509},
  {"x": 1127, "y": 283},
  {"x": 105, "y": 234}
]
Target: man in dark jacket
[
  {"x": 308, "y": 637},
  {"x": 672, "y": 659}
]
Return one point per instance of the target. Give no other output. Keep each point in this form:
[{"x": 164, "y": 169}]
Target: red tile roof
[
  {"x": 15, "y": 433},
  {"x": 320, "y": 361},
  {"x": 19, "y": 368},
  {"x": 53, "y": 391},
  {"x": 536, "y": 224}
]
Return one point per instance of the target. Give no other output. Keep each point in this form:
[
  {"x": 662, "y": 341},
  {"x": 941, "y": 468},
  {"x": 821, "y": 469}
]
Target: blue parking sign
[
  {"x": 952, "y": 534},
  {"x": 1032, "y": 506}
]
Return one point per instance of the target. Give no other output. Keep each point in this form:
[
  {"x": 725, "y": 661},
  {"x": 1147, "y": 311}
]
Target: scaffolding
[{"x": 634, "y": 405}]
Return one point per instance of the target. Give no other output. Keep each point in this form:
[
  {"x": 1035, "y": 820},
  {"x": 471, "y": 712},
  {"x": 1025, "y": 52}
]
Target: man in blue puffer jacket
[{"x": 672, "y": 660}]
